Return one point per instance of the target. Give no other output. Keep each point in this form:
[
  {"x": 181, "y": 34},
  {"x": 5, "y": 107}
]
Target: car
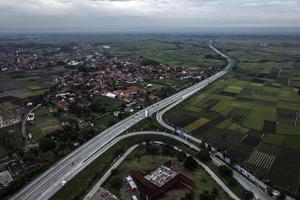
[
  {"x": 63, "y": 182},
  {"x": 134, "y": 197}
]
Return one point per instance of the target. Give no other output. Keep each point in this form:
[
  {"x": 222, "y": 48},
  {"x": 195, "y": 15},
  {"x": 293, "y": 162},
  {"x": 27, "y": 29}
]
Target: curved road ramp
[{"x": 48, "y": 183}]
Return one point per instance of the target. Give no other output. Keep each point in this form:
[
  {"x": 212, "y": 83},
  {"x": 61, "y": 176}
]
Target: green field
[
  {"x": 10, "y": 139},
  {"x": 44, "y": 124},
  {"x": 196, "y": 124},
  {"x": 255, "y": 99},
  {"x": 82, "y": 182},
  {"x": 23, "y": 84},
  {"x": 141, "y": 160},
  {"x": 176, "y": 51}
]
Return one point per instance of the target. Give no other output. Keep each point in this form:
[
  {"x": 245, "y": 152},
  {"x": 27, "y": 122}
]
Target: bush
[
  {"x": 215, "y": 192},
  {"x": 248, "y": 195},
  {"x": 47, "y": 144},
  {"x": 116, "y": 183},
  {"x": 205, "y": 195},
  {"x": 190, "y": 163},
  {"x": 181, "y": 156},
  {"x": 118, "y": 152},
  {"x": 152, "y": 150},
  {"x": 189, "y": 196},
  {"x": 204, "y": 155},
  {"x": 166, "y": 150},
  {"x": 232, "y": 181},
  {"x": 225, "y": 171}
]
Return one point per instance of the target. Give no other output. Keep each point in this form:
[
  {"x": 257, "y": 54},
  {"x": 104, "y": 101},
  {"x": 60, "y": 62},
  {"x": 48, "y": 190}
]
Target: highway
[
  {"x": 175, "y": 137},
  {"x": 92, "y": 193},
  {"x": 49, "y": 182},
  {"x": 258, "y": 193}
]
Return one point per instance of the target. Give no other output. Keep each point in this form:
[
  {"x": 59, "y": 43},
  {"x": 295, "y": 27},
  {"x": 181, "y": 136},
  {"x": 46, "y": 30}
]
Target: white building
[
  {"x": 10, "y": 120},
  {"x": 111, "y": 95},
  {"x": 5, "y": 178}
]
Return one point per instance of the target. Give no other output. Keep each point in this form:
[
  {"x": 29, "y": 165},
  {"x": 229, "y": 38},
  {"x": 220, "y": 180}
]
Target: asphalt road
[
  {"x": 92, "y": 194},
  {"x": 23, "y": 129},
  {"x": 48, "y": 183},
  {"x": 258, "y": 193},
  {"x": 175, "y": 137}
]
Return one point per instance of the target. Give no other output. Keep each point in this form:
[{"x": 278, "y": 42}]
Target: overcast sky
[{"x": 145, "y": 15}]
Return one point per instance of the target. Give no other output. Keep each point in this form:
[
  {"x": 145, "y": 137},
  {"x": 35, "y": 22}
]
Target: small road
[
  {"x": 248, "y": 185},
  {"x": 49, "y": 182},
  {"x": 258, "y": 193},
  {"x": 217, "y": 180},
  {"x": 97, "y": 186},
  {"x": 175, "y": 137},
  {"x": 23, "y": 129}
]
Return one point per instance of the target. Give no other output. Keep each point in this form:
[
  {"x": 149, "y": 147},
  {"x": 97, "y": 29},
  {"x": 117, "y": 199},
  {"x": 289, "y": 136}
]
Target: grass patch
[
  {"x": 224, "y": 124},
  {"x": 196, "y": 124},
  {"x": 81, "y": 183},
  {"x": 44, "y": 123},
  {"x": 141, "y": 160},
  {"x": 236, "y": 188},
  {"x": 234, "y": 89},
  {"x": 274, "y": 139}
]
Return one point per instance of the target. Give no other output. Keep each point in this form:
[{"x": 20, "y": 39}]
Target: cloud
[
  {"x": 270, "y": 3},
  {"x": 119, "y": 15}
]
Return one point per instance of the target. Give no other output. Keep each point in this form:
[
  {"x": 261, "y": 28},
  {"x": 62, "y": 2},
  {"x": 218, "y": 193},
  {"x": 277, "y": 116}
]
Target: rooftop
[
  {"x": 5, "y": 178},
  {"x": 161, "y": 175}
]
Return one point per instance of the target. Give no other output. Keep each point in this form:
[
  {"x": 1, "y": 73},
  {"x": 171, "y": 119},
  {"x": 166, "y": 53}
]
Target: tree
[
  {"x": 189, "y": 196},
  {"x": 118, "y": 152},
  {"x": 205, "y": 195},
  {"x": 114, "y": 172},
  {"x": 225, "y": 171},
  {"x": 165, "y": 92},
  {"x": 152, "y": 150},
  {"x": 166, "y": 150},
  {"x": 98, "y": 106},
  {"x": 231, "y": 181},
  {"x": 204, "y": 155},
  {"x": 248, "y": 195},
  {"x": 282, "y": 195},
  {"x": 190, "y": 163},
  {"x": 215, "y": 191},
  {"x": 47, "y": 144},
  {"x": 146, "y": 61},
  {"x": 116, "y": 183},
  {"x": 181, "y": 156}
]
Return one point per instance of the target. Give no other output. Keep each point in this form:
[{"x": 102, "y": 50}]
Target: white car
[
  {"x": 134, "y": 197},
  {"x": 63, "y": 182}
]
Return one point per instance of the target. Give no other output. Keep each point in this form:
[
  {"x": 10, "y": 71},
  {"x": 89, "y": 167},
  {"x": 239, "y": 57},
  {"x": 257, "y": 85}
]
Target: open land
[{"x": 140, "y": 159}]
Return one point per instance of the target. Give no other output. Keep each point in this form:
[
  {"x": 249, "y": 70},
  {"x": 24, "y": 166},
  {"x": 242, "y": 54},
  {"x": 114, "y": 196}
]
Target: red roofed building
[
  {"x": 134, "y": 90},
  {"x": 155, "y": 184}
]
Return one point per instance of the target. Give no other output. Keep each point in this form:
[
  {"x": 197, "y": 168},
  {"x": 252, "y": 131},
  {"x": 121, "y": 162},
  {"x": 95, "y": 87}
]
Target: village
[
  {"x": 127, "y": 79},
  {"x": 92, "y": 88}
]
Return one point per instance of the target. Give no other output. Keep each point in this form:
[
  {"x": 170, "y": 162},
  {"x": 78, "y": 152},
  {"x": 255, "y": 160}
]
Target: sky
[{"x": 148, "y": 15}]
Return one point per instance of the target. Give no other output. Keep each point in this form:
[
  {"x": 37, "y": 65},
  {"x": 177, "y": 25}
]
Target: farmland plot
[
  {"x": 258, "y": 110},
  {"x": 259, "y": 164},
  {"x": 181, "y": 119},
  {"x": 287, "y": 116}
]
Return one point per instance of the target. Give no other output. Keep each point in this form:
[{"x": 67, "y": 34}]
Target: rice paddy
[{"x": 254, "y": 115}]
